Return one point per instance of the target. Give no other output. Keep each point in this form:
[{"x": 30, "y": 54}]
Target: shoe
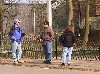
[
  {"x": 15, "y": 62},
  {"x": 68, "y": 64},
  {"x": 48, "y": 62},
  {"x": 62, "y": 64},
  {"x": 45, "y": 62},
  {"x": 20, "y": 61}
]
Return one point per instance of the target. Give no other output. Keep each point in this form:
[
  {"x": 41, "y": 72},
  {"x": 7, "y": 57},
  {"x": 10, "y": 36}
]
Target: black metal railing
[{"x": 33, "y": 49}]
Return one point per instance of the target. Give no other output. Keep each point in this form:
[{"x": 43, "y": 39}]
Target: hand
[
  {"x": 40, "y": 40},
  {"x": 74, "y": 45},
  {"x": 23, "y": 34},
  {"x": 13, "y": 38}
]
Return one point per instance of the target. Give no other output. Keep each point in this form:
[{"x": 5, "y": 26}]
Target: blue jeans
[
  {"x": 16, "y": 51},
  {"x": 47, "y": 49},
  {"x": 66, "y": 51}
]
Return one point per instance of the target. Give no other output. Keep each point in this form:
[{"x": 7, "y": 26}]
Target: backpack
[
  {"x": 61, "y": 38},
  {"x": 10, "y": 33}
]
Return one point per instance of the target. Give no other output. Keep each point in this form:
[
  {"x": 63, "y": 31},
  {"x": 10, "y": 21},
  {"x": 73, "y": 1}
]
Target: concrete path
[
  {"x": 37, "y": 67},
  {"x": 8, "y": 69}
]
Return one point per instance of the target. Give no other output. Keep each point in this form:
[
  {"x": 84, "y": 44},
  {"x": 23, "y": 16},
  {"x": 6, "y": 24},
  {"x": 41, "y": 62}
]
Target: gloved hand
[{"x": 23, "y": 34}]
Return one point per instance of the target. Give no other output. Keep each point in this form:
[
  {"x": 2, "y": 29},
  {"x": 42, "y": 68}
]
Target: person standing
[
  {"x": 16, "y": 35},
  {"x": 68, "y": 40},
  {"x": 46, "y": 38}
]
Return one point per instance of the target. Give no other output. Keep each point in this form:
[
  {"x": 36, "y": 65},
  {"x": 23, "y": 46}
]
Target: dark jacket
[{"x": 68, "y": 39}]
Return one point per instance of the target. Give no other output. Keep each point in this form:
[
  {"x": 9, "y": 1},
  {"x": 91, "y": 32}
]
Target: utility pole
[
  {"x": 49, "y": 12},
  {"x": 34, "y": 22}
]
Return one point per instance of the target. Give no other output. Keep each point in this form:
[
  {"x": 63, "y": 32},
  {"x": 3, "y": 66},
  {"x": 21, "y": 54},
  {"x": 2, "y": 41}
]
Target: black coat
[{"x": 68, "y": 39}]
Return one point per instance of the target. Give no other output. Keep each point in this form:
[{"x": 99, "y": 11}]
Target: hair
[
  {"x": 69, "y": 28},
  {"x": 46, "y": 23}
]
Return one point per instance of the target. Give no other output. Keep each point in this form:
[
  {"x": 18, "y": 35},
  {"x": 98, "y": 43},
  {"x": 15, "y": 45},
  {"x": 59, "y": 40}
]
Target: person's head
[
  {"x": 46, "y": 24},
  {"x": 69, "y": 28},
  {"x": 17, "y": 22}
]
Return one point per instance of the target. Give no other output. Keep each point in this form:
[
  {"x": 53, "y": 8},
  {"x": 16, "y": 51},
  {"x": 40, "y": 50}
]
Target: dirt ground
[{"x": 35, "y": 66}]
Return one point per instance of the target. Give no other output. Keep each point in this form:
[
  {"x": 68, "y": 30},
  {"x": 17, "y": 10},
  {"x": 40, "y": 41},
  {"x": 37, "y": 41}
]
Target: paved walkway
[
  {"x": 36, "y": 67},
  {"x": 8, "y": 69}
]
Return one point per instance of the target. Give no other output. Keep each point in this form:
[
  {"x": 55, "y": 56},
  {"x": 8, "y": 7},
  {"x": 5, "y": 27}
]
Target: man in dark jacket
[
  {"x": 68, "y": 41},
  {"x": 16, "y": 35}
]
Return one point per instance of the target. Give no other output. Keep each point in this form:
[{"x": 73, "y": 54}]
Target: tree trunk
[
  {"x": 70, "y": 17},
  {"x": 86, "y": 23},
  {"x": 1, "y": 17},
  {"x": 1, "y": 20}
]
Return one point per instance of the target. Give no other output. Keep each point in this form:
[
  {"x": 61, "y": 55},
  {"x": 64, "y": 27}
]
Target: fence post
[
  {"x": 99, "y": 53},
  {"x": 0, "y": 42},
  {"x": 0, "y": 39},
  {"x": 56, "y": 41}
]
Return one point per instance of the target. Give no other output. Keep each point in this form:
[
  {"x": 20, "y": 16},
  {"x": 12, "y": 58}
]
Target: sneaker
[
  {"x": 20, "y": 61},
  {"x": 62, "y": 64},
  {"x": 68, "y": 64},
  {"x": 15, "y": 62},
  {"x": 48, "y": 62},
  {"x": 45, "y": 62}
]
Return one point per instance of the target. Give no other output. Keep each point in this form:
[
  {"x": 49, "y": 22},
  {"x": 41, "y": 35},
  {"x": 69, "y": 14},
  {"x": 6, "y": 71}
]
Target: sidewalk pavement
[{"x": 76, "y": 65}]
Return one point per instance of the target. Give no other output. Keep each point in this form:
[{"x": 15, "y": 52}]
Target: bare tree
[
  {"x": 10, "y": 12},
  {"x": 1, "y": 16},
  {"x": 70, "y": 16},
  {"x": 1, "y": 20},
  {"x": 86, "y": 23}
]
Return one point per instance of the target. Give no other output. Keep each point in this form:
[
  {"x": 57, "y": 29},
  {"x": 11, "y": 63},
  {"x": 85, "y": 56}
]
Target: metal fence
[{"x": 33, "y": 49}]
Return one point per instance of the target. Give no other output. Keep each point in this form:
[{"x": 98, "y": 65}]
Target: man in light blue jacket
[{"x": 16, "y": 35}]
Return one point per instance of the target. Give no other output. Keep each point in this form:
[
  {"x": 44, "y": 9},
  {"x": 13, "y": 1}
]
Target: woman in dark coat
[{"x": 68, "y": 41}]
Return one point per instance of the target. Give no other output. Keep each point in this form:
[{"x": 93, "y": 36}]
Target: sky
[
  {"x": 54, "y": 5},
  {"x": 27, "y": 1},
  {"x": 33, "y": 0}
]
